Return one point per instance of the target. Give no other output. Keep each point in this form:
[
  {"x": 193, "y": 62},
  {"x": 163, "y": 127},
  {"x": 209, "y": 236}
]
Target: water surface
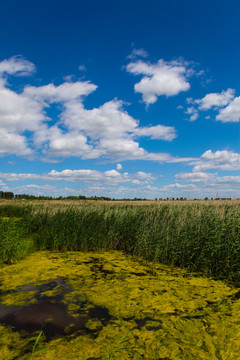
[{"x": 85, "y": 304}]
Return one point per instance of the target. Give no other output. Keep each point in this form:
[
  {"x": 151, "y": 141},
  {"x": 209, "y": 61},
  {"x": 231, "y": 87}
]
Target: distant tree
[{"x": 6, "y": 195}]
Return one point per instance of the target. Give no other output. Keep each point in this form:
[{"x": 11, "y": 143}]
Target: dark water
[{"x": 50, "y": 314}]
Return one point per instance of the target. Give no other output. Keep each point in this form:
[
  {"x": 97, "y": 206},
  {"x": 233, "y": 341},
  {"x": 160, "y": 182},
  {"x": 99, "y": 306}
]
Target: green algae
[{"x": 167, "y": 312}]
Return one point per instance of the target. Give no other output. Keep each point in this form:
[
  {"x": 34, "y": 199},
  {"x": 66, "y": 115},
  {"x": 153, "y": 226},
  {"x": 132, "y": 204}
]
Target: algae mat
[{"x": 107, "y": 305}]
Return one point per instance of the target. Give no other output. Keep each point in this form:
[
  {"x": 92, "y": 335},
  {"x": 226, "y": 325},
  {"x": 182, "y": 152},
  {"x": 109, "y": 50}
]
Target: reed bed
[{"x": 203, "y": 236}]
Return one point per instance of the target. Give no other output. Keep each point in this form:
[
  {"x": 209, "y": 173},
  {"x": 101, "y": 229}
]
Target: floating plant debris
[{"x": 86, "y": 303}]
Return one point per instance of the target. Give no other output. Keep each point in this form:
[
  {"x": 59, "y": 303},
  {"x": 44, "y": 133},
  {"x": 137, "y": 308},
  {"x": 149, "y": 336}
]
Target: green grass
[
  {"x": 120, "y": 347},
  {"x": 15, "y": 243},
  {"x": 201, "y": 236},
  {"x": 34, "y": 351}
]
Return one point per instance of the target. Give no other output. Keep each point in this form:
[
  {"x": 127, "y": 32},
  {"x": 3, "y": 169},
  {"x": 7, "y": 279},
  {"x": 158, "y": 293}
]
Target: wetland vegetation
[{"x": 117, "y": 280}]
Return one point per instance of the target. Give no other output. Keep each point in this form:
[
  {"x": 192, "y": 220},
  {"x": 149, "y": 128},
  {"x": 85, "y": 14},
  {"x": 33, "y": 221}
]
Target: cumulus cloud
[
  {"x": 108, "y": 120},
  {"x": 196, "y": 177},
  {"x": 177, "y": 186},
  {"x": 111, "y": 128},
  {"x": 122, "y": 149},
  {"x": 16, "y": 65},
  {"x": 229, "y": 180},
  {"x": 161, "y": 78},
  {"x": 231, "y": 113},
  {"x": 65, "y": 92},
  {"x": 215, "y": 99},
  {"x": 71, "y": 143},
  {"x": 43, "y": 190},
  {"x": 167, "y": 133},
  {"x": 106, "y": 131},
  {"x": 110, "y": 177},
  {"x": 193, "y": 112},
  {"x": 119, "y": 167},
  {"x": 211, "y": 184},
  {"x": 18, "y": 112},
  {"x": 111, "y": 121},
  {"x": 12, "y": 143},
  {"x": 224, "y": 160},
  {"x": 166, "y": 158}
]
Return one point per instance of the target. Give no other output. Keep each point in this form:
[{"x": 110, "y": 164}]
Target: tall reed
[{"x": 201, "y": 236}]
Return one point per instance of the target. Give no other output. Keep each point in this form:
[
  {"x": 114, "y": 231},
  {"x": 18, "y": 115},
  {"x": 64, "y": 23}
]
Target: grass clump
[
  {"x": 15, "y": 244},
  {"x": 12, "y": 209}
]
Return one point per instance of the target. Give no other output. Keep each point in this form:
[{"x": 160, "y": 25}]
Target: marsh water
[{"x": 107, "y": 305}]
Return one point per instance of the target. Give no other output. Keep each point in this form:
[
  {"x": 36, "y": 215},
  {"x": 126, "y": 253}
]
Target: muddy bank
[{"x": 85, "y": 304}]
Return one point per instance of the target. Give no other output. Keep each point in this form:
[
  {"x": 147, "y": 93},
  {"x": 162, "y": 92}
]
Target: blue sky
[{"x": 120, "y": 99}]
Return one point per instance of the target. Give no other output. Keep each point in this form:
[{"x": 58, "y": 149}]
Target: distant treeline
[
  {"x": 80, "y": 197},
  {"x": 10, "y": 195},
  {"x": 6, "y": 195}
]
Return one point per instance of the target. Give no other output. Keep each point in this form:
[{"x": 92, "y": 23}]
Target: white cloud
[
  {"x": 12, "y": 143},
  {"x": 110, "y": 177},
  {"x": 107, "y": 121},
  {"x": 142, "y": 175},
  {"x": 215, "y": 99},
  {"x": 224, "y": 160},
  {"x": 111, "y": 129},
  {"x": 212, "y": 184},
  {"x": 162, "y": 78},
  {"x": 111, "y": 121},
  {"x": 122, "y": 148},
  {"x": 16, "y": 65},
  {"x": 178, "y": 186},
  {"x": 196, "y": 177},
  {"x": 43, "y": 190},
  {"x": 167, "y": 133},
  {"x": 193, "y": 112},
  {"x": 71, "y": 143},
  {"x": 229, "y": 180},
  {"x": 231, "y": 113},
  {"x": 136, "y": 182},
  {"x": 18, "y": 112},
  {"x": 119, "y": 167},
  {"x": 65, "y": 92},
  {"x": 131, "y": 190},
  {"x": 138, "y": 53},
  {"x": 166, "y": 158},
  {"x": 107, "y": 131},
  {"x": 68, "y": 78},
  {"x": 2, "y": 183}
]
